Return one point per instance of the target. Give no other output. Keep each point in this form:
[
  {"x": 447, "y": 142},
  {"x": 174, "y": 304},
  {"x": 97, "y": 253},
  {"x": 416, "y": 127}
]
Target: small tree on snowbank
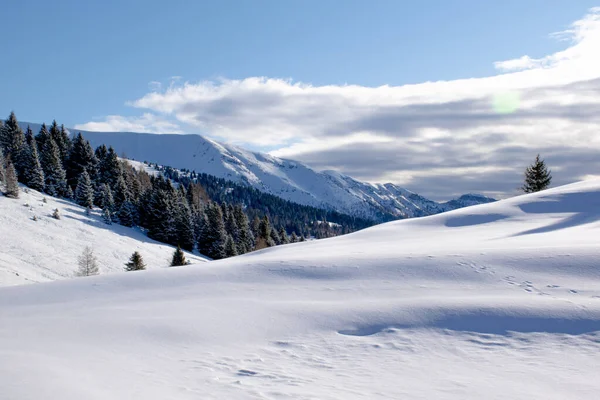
[
  {"x": 178, "y": 258},
  {"x": 537, "y": 176},
  {"x": 136, "y": 263},
  {"x": 88, "y": 263}
]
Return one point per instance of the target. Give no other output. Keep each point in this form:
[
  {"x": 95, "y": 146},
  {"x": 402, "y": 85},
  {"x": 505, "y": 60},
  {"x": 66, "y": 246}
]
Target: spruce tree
[
  {"x": 32, "y": 173},
  {"x": 2, "y": 170},
  {"x": 230, "y": 248},
  {"x": 213, "y": 236},
  {"x": 293, "y": 238},
  {"x": 121, "y": 192},
  {"x": 275, "y": 237},
  {"x": 11, "y": 137},
  {"x": 81, "y": 158},
  {"x": 136, "y": 263},
  {"x": 245, "y": 242},
  {"x": 110, "y": 168},
  {"x": 61, "y": 138},
  {"x": 178, "y": 258},
  {"x": 84, "y": 193},
  {"x": 12, "y": 184},
  {"x": 56, "y": 182},
  {"x": 537, "y": 176},
  {"x": 283, "y": 236},
  {"x": 264, "y": 234},
  {"x": 184, "y": 224},
  {"x": 107, "y": 216},
  {"x": 126, "y": 214},
  {"x": 88, "y": 263}
]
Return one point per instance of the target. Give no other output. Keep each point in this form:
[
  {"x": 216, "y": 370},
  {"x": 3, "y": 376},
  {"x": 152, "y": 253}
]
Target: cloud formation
[{"x": 440, "y": 139}]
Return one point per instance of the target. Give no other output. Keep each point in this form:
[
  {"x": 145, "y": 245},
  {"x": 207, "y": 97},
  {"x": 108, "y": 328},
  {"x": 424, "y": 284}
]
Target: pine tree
[
  {"x": 81, "y": 158},
  {"x": 61, "y": 138},
  {"x": 264, "y": 234},
  {"x": 110, "y": 168},
  {"x": 106, "y": 216},
  {"x": 245, "y": 242},
  {"x": 294, "y": 238},
  {"x": 537, "y": 176},
  {"x": 126, "y": 214},
  {"x": 56, "y": 182},
  {"x": 178, "y": 258},
  {"x": 275, "y": 237},
  {"x": 213, "y": 236},
  {"x": 12, "y": 184},
  {"x": 230, "y": 248},
  {"x": 84, "y": 193},
  {"x": 184, "y": 223},
  {"x": 136, "y": 263},
  {"x": 88, "y": 263},
  {"x": 11, "y": 140},
  {"x": 121, "y": 192},
  {"x": 2, "y": 169},
  {"x": 283, "y": 236},
  {"x": 32, "y": 173}
]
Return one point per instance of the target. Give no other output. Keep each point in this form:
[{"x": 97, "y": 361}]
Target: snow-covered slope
[
  {"x": 47, "y": 249},
  {"x": 494, "y": 301},
  {"x": 288, "y": 179}
]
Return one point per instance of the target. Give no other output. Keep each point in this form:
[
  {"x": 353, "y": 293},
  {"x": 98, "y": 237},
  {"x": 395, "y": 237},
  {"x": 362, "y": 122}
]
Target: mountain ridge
[{"x": 288, "y": 179}]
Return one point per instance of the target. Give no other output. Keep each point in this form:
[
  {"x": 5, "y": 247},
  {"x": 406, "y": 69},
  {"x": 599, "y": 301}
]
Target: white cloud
[
  {"x": 145, "y": 123},
  {"x": 440, "y": 138}
]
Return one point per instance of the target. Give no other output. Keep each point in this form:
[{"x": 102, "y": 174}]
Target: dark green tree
[
  {"x": 84, "y": 193},
  {"x": 136, "y": 263},
  {"x": 12, "y": 184},
  {"x": 11, "y": 140},
  {"x": 81, "y": 158},
  {"x": 230, "y": 247},
  {"x": 32, "y": 173},
  {"x": 56, "y": 182},
  {"x": 537, "y": 176},
  {"x": 178, "y": 258}
]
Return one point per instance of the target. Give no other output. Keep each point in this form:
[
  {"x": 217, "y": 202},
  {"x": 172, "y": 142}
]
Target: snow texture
[
  {"x": 493, "y": 301},
  {"x": 45, "y": 249}
]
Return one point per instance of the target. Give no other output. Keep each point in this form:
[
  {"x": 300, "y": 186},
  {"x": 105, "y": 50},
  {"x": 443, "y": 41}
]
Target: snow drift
[{"x": 494, "y": 301}]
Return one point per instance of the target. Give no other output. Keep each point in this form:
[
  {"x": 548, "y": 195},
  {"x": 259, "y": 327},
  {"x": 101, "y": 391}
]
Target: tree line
[{"x": 173, "y": 207}]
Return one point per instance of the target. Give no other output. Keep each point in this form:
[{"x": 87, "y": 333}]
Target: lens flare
[{"x": 505, "y": 103}]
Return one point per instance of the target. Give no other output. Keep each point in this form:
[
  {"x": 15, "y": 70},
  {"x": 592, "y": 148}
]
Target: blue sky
[
  {"x": 337, "y": 84},
  {"x": 79, "y": 60}
]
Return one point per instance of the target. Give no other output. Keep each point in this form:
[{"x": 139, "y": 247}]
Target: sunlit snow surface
[{"x": 498, "y": 301}]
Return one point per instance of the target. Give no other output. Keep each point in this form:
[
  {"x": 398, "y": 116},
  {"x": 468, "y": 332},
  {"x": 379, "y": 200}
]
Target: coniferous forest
[{"x": 184, "y": 208}]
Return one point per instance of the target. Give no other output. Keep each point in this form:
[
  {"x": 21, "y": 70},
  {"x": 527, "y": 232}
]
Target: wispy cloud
[
  {"x": 145, "y": 123},
  {"x": 439, "y": 138}
]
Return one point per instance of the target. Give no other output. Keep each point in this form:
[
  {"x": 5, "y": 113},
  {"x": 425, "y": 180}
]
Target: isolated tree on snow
[
  {"x": 537, "y": 176},
  {"x": 178, "y": 258},
  {"x": 136, "y": 263},
  {"x": 88, "y": 263},
  {"x": 12, "y": 184},
  {"x": 56, "y": 213},
  {"x": 84, "y": 193}
]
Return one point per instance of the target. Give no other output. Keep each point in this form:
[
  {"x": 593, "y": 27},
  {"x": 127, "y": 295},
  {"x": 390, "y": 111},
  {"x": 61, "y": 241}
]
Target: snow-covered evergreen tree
[
  {"x": 56, "y": 182},
  {"x": 11, "y": 140},
  {"x": 32, "y": 174},
  {"x": 537, "y": 176},
  {"x": 84, "y": 193},
  {"x": 136, "y": 263},
  {"x": 230, "y": 248},
  {"x": 293, "y": 238},
  {"x": 62, "y": 140},
  {"x": 283, "y": 236},
  {"x": 245, "y": 242},
  {"x": 107, "y": 216},
  {"x": 81, "y": 158},
  {"x": 88, "y": 263},
  {"x": 11, "y": 184},
  {"x": 127, "y": 214},
  {"x": 264, "y": 234},
  {"x": 213, "y": 236}
]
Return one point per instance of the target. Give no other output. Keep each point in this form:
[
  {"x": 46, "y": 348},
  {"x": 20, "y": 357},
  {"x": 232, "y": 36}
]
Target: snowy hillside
[
  {"x": 496, "y": 301},
  {"x": 290, "y": 180},
  {"x": 47, "y": 249}
]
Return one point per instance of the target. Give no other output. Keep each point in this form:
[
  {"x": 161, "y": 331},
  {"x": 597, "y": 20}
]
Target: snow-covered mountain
[
  {"x": 287, "y": 179},
  {"x": 46, "y": 249},
  {"x": 496, "y": 301}
]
